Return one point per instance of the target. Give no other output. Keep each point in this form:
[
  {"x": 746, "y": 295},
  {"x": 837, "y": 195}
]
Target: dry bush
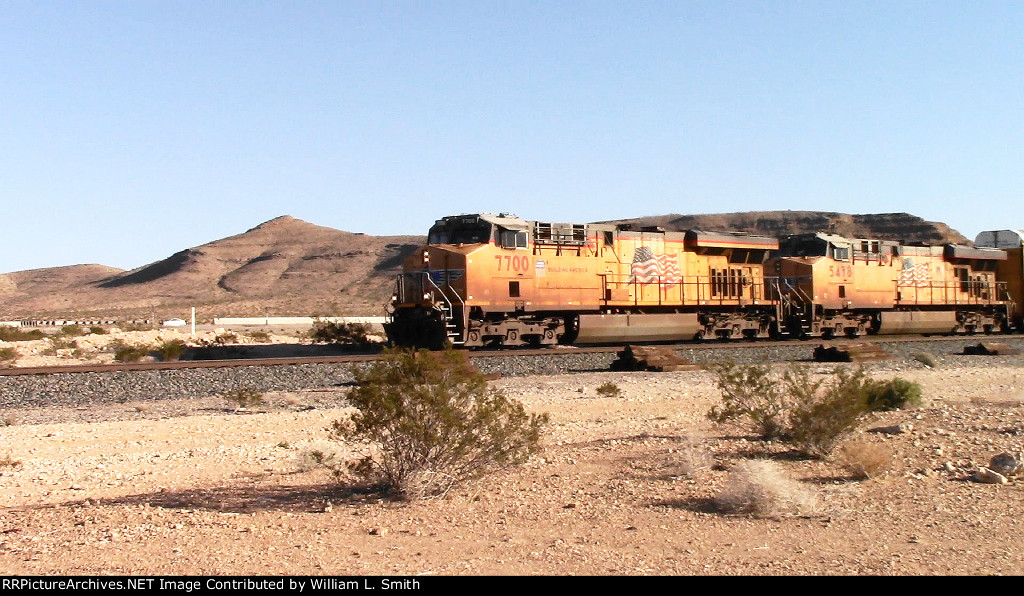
[
  {"x": 128, "y": 353},
  {"x": 226, "y": 339},
  {"x": 8, "y": 354},
  {"x": 244, "y": 398},
  {"x": 340, "y": 333},
  {"x": 893, "y": 394},
  {"x": 760, "y": 488},
  {"x": 8, "y": 462},
  {"x": 821, "y": 418},
  {"x": 432, "y": 421},
  {"x": 864, "y": 459},
  {"x": 261, "y": 337},
  {"x": 693, "y": 458},
  {"x": 18, "y": 334},
  {"x": 171, "y": 350},
  {"x": 753, "y": 395},
  {"x": 813, "y": 415},
  {"x": 609, "y": 389}
]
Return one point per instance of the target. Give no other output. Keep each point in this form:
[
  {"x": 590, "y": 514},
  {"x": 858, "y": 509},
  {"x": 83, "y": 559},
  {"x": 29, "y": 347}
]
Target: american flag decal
[
  {"x": 914, "y": 275},
  {"x": 648, "y": 268}
]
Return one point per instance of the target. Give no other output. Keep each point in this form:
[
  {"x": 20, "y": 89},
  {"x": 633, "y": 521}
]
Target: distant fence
[
  {"x": 294, "y": 320},
  {"x": 62, "y": 323}
]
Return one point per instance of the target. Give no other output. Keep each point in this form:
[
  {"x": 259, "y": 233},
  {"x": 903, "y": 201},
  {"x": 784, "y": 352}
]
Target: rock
[
  {"x": 1005, "y": 463},
  {"x": 896, "y": 429},
  {"x": 987, "y": 476}
]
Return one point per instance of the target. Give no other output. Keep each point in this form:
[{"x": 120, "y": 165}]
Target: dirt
[{"x": 625, "y": 485}]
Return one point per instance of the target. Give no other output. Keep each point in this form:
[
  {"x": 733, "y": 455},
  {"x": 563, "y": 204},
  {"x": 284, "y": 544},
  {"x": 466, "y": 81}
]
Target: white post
[{"x": 193, "y": 321}]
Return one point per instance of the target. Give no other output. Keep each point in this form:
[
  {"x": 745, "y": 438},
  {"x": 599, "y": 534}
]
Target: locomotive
[
  {"x": 498, "y": 280},
  {"x": 832, "y": 285}
]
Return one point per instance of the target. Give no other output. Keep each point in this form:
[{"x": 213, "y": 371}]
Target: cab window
[{"x": 513, "y": 238}]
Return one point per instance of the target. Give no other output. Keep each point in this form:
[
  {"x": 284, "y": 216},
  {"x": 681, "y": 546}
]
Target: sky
[{"x": 132, "y": 130}]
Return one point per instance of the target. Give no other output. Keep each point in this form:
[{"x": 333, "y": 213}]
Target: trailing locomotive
[
  {"x": 832, "y": 285},
  {"x": 497, "y": 280},
  {"x": 1011, "y": 270}
]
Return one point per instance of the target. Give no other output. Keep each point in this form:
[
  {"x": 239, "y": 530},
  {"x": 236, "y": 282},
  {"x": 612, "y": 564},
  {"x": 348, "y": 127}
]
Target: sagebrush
[
  {"x": 340, "y": 333},
  {"x": 609, "y": 389},
  {"x": 823, "y": 414},
  {"x": 129, "y": 353},
  {"x": 753, "y": 394},
  {"x": 18, "y": 334},
  {"x": 812, "y": 414},
  {"x": 171, "y": 350},
  {"x": 244, "y": 398},
  {"x": 894, "y": 394},
  {"x": 433, "y": 421}
]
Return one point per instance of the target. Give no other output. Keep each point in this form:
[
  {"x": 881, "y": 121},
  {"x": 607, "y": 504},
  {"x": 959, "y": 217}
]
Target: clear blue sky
[{"x": 131, "y": 130}]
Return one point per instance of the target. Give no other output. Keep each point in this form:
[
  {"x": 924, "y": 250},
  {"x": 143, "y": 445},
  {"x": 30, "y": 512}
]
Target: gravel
[{"x": 89, "y": 389}]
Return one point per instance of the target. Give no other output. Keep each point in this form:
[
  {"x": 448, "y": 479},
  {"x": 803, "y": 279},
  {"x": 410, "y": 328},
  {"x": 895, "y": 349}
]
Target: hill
[
  {"x": 283, "y": 266},
  {"x": 901, "y": 227}
]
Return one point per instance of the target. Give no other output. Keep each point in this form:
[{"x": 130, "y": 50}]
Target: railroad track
[{"x": 477, "y": 354}]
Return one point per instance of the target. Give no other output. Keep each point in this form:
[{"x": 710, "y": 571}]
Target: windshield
[{"x": 459, "y": 233}]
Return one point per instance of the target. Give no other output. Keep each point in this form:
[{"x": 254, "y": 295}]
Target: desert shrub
[
  {"x": 750, "y": 394},
  {"x": 58, "y": 343},
  {"x": 171, "y": 350},
  {"x": 8, "y": 462},
  {"x": 128, "y": 353},
  {"x": 326, "y": 457},
  {"x": 8, "y": 354},
  {"x": 894, "y": 394},
  {"x": 864, "y": 459},
  {"x": 244, "y": 398},
  {"x": 693, "y": 458},
  {"x": 813, "y": 415},
  {"x": 760, "y": 488},
  {"x": 259, "y": 336},
  {"x": 339, "y": 333},
  {"x": 820, "y": 418},
  {"x": 97, "y": 330},
  {"x": 434, "y": 422},
  {"x": 609, "y": 389},
  {"x": 18, "y": 334},
  {"x": 928, "y": 359},
  {"x": 225, "y": 339},
  {"x": 72, "y": 330}
]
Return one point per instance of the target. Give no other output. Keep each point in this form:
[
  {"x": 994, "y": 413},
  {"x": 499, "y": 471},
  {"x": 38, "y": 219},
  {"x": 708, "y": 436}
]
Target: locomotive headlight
[
  {"x": 426, "y": 259},
  {"x": 426, "y": 296},
  {"x": 394, "y": 298}
]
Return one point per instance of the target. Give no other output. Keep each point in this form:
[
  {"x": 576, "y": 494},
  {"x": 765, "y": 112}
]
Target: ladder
[{"x": 447, "y": 310}]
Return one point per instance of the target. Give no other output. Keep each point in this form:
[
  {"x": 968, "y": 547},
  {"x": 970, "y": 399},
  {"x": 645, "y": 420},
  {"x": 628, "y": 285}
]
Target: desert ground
[{"x": 625, "y": 485}]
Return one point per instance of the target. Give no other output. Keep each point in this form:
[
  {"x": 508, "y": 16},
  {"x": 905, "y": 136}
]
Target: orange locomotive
[
  {"x": 499, "y": 280},
  {"x": 1011, "y": 270},
  {"x": 830, "y": 285}
]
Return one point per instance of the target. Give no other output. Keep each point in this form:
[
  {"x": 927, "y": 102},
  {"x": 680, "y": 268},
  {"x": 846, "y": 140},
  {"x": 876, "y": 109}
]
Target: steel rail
[{"x": 509, "y": 352}]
